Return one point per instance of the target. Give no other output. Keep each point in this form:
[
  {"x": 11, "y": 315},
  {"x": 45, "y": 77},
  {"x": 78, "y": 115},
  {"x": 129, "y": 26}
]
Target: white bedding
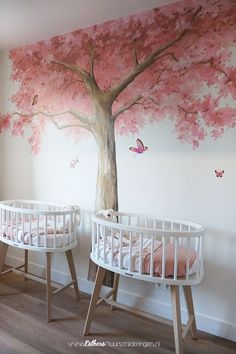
[{"x": 28, "y": 235}]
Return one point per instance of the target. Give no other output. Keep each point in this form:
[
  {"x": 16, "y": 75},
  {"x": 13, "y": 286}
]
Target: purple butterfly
[
  {"x": 140, "y": 147},
  {"x": 219, "y": 173}
]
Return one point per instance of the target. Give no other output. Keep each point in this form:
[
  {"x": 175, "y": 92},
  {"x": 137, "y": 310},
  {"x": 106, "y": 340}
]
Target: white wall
[{"x": 169, "y": 179}]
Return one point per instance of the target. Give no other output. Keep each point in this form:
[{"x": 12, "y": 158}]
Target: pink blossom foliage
[
  {"x": 4, "y": 121},
  {"x": 193, "y": 82}
]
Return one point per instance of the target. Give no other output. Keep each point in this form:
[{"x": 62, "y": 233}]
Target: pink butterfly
[
  {"x": 219, "y": 173},
  {"x": 140, "y": 147},
  {"x": 74, "y": 162}
]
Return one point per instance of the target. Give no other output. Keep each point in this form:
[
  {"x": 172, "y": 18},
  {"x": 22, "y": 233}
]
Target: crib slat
[
  {"x": 188, "y": 258},
  {"x": 146, "y": 222},
  {"x": 7, "y": 222},
  {"x": 112, "y": 246},
  {"x": 180, "y": 238},
  {"x": 129, "y": 220},
  {"x": 163, "y": 225},
  {"x": 104, "y": 242},
  {"x": 70, "y": 228},
  {"x": 11, "y": 225},
  {"x": 4, "y": 220},
  {"x": 46, "y": 232},
  {"x": 98, "y": 240},
  {"x": 163, "y": 257},
  {"x": 17, "y": 223},
  {"x": 171, "y": 229},
  {"x": 64, "y": 230},
  {"x": 176, "y": 242},
  {"x": 130, "y": 252},
  {"x": 30, "y": 229},
  {"x": 138, "y": 221},
  {"x": 23, "y": 228},
  {"x": 75, "y": 225},
  {"x": 152, "y": 256},
  {"x": 37, "y": 230},
  {"x": 141, "y": 254},
  {"x": 154, "y": 224},
  {"x": 201, "y": 253},
  {"x": 121, "y": 249},
  {"x": 55, "y": 231},
  {"x": 197, "y": 258},
  {"x": 93, "y": 237}
]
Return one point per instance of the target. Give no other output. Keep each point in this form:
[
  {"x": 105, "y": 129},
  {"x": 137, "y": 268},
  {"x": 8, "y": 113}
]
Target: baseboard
[{"x": 205, "y": 323}]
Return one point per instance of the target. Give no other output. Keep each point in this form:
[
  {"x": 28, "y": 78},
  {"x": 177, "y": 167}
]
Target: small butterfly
[
  {"x": 219, "y": 173},
  {"x": 140, "y": 147},
  {"x": 74, "y": 162},
  {"x": 35, "y": 100}
]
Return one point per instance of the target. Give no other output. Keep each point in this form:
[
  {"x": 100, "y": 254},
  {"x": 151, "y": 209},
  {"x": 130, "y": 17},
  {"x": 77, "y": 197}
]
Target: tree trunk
[{"x": 106, "y": 189}]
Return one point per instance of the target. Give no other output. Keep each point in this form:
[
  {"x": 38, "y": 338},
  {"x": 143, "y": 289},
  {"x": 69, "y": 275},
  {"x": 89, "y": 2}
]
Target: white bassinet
[
  {"x": 43, "y": 227},
  {"x": 38, "y": 226},
  {"x": 149, "y": 248}
]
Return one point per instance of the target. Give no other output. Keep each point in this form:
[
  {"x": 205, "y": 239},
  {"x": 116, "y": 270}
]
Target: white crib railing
[
  {"x": 149, "y": 248},
  {"x": 39, "y": 226}
]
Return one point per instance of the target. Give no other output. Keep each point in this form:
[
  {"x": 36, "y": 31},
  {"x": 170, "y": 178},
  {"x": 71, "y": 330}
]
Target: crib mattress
[
  {"x": 24, "y": 234},
  {"x": 134, "y": 263}
]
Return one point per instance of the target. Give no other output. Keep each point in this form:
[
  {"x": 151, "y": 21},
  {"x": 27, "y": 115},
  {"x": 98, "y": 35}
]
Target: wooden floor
[{"x": 23, "y": 326}]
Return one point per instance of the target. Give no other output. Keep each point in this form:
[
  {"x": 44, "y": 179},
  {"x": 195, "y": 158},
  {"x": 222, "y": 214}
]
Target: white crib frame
[
  {"x": 188, "y": 232},
  {"x": 41, "y": 210}
]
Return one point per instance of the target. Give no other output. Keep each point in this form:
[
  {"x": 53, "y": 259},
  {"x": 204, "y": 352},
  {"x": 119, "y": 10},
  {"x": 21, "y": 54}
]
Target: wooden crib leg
[
  {"x": 26, "y": 263},
  {"x": 48, "y": 287},
  {"x": 174, "y": 289},
  {"x": 93, "y": 302},
  {"x": 189, "y": 302},
  {"x": 71, "y": 265},
  {"x": 3, "y": 252},
  {"x": 115, "y": 288}
]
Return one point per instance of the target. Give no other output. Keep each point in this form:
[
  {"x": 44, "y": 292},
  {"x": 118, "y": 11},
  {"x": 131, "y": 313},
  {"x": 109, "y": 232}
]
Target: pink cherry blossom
[{"x": 192, "y": 83}]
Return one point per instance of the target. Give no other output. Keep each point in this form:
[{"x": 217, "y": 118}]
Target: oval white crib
[
  {"x": 42, "y": 227},
  {"x": 149, "y": 248}
]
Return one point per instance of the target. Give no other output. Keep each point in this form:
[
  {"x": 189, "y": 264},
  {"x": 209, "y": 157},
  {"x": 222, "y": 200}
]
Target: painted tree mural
[{"x": 177, "y": 62}]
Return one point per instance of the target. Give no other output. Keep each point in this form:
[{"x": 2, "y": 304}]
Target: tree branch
[
  {"x": 169, "y": 54},
  {"x": 164, "y": 69},
  {"x": 153, "y": 100},
  {"x": 186, "y": 112},
  {"x": 71, "y": 83},
  {"x": 212, "y": 65},
  {"x": 78, "y": 125},
  {"x": 92, "y": 59},
  {"x": 117, "y": 89},
  {"x": 83, "y": 74},
  {"x": 86, "y": 76},
  {"x": 134, "y": 51},
  {"x": 152, "y": 58},
  {"x": 197, "y": 12},
  {"x": 126, "y": 107},
  {"x": 84, "y": 120},
  {"x": 159, "y": 77}
]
